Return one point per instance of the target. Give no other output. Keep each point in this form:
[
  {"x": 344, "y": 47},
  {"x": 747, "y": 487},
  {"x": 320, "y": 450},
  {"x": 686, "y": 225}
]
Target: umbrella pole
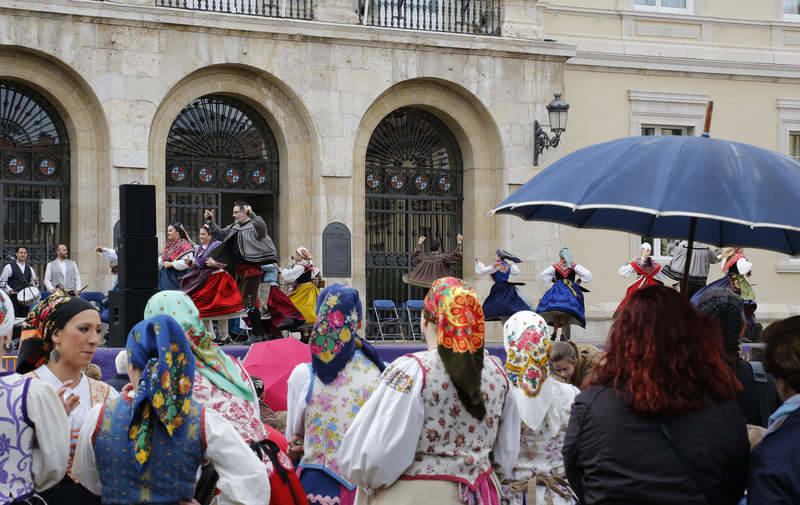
[{"x": 685, "y": 279}]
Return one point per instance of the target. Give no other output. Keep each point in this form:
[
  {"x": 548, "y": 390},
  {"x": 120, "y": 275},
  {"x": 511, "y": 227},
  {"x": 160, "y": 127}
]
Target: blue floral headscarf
[
  {"x": 334, "y": 340},
  {"x": 160, "y": 348}
]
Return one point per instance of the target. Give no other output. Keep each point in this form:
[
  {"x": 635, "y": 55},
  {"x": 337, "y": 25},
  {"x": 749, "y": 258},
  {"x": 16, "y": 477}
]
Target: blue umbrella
[{"x": 710, "y": 190}]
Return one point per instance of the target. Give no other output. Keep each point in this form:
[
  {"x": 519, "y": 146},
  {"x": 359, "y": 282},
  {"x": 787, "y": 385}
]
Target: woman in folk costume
[
  {"x": 648, "y": 274},
  {"x": 212, "y": 289},
  {"x": 325, "y": 395},
  {"x": 283, "y": 315},
  {"x": 439, "y": 419},
  {"x": 563, "y": 304},
  {"x": 146, "y": 446},
  {"x": 220, "y": 382},
  {"x": 736, "y": 269},
  {"x": 504, "y": 298},
  {"x": 34, "y": 425},
  {"x": 304, "y": 293},
  {"x": 59, "y": 339},
  {"x": 173, "y": 262},
  {"x": 544, "y": 405}
]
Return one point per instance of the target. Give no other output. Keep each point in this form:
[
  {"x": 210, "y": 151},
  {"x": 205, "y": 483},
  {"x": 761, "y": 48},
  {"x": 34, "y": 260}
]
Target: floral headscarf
[
  {"x": 453, "y": 306},
  {"x": 160, "y": 349},
  {"x": 528, "y": 365},
  {"x": 174, "y": 249},
  {"x": 306, "y": 260},
  {"x": 334, "y": 340},
  {"x": 6, "y": 315},
  {"x": 212, "y": 361},
  {"x": 41, "y": 323}
]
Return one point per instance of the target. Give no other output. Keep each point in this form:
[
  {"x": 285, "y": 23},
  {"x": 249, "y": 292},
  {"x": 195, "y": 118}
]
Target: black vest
[{"x": 19, "y": 281}]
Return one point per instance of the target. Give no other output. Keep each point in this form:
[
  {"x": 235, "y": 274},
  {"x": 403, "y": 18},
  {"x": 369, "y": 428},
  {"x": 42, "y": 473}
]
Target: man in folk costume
[
  {"x": 702, "y": 258},
  {"x": 145, "y": 446},
  {"x": 504, "y": 298},
  {"x": 544, "y": 404},
  {"x": 325, "y": 395},
  {"x": 34, "y": 426},
  {"x": 63, "y": 272},
  {"x": 16, "y": 276},
  {"x": 246, "y": 246},
  {"x": 648, "y": 271},
  {"x": 448, "y": 412},
  {"x": 433, "y": 265},
  {"x": 563, "y": 303}
]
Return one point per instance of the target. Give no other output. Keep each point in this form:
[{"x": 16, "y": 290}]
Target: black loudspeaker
[
  {"x": 138, "y": 267},
  {"x": 125, "y": 309},
  {"x": 137, "y": 210}
]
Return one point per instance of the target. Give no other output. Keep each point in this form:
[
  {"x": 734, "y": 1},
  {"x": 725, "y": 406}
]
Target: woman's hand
[
  {"x": 71, "y": 402},
  {"x": 295, "y": 449},
  {"x": 168, "y": 264},
  {"x": 421, "y": 240},
  {"x": 477, "y": 259}
]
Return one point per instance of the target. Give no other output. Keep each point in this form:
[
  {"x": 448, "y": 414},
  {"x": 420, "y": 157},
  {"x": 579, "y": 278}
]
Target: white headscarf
[
  {"x": 6, "y": 315},
  {"x": 538, "y": 396},
  {"x": 305, "y": 254}
]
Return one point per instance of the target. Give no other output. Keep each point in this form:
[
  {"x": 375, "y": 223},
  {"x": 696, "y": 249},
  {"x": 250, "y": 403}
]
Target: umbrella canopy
[
  {"x": 740, "y": 195},
  {"x": 273, "y": 362}
]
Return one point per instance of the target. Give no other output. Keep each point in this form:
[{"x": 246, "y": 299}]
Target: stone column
[
  {"x": 520, "y": 20},
  {"x": 336, "y": 11}
]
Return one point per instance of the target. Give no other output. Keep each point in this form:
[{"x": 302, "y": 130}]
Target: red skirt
[
  {"x": 218, "y": 297},
  {"x": 640, "y": 283}
]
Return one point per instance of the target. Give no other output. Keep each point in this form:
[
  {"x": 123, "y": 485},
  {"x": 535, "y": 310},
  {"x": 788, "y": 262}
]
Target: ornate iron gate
[
  {"x": 413, "y": 187},
  {"x": 220, "y": 150},
  {"x": 34, "y": 159}
]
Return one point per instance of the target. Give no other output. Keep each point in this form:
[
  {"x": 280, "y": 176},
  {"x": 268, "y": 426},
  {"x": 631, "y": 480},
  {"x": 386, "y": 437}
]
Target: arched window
[
  {"x": 413, "y": 187},
  {"x": 220, "y": 150},
  {"x": 34, "y": 159}
]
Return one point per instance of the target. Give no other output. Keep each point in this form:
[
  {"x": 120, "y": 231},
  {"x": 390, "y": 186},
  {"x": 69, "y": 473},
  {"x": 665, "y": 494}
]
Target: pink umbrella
[{"x": 273, "y": 362}]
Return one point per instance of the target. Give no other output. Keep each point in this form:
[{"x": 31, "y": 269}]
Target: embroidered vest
[
  {"x": 16, "y": 439},
  {"x": 454, "y": 445},
  {"x": 502, "y": 273},
  {"x": 331, "y": 409},
  {"x": 19, "y": 279},
  {"x": 170, "y": 475},
  {"x": 57, "y": 278},
  {"x": 561, "y": 273}
]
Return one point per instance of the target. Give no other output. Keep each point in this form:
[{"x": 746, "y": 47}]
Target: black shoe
[{"x": 255, "y": 339}]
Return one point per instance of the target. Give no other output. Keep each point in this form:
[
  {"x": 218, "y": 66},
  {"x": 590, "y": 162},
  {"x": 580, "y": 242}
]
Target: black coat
[
  {"x": 759, "y": 397},
  {"x": 615, "y": 456},
  {"x": 774, "y": 473}
]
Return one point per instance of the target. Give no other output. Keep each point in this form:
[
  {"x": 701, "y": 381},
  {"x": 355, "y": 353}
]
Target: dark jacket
[
  {"x": 774, "y": 474},
  {"x": 615, "y": 456},
  {"x": 251, "y": 238},
  {"x": 759, "y": 397},
  {"x": 119, "y": 381}
]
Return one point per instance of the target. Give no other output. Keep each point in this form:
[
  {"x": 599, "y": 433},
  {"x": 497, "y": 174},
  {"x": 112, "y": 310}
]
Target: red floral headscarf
[{"x": 454, "y": 307}]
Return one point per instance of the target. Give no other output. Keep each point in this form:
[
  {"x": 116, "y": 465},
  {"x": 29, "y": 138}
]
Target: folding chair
[
  {"x": 387, "y": 317},
  {"x": 414, "y": 313}
]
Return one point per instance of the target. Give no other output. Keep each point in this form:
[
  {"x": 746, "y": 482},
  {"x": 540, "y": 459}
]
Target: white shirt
[
  {"x": 179, "y": 264},
  {"x": 78, "y": 415},
  {"x": 382, "y": 441},
  {"x": 62, "y": 265},
  {"x": 490, "y": 269},
  {"x": 51, "y": 431},
  {"x": 108, "y": 254},
  {"x": 7, "y": 274},
  {"x": 292, "y": 274},
  {"x": 297, "y": 389},
  {"x": 242, "y": 479}
]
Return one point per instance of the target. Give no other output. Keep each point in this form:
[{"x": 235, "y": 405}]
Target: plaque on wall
[{"x": 336, "y": 251}]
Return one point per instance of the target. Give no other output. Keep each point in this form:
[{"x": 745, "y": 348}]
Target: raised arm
[
  {"x": 584, "y": 274},
  {"x": 626, "y": 270}
]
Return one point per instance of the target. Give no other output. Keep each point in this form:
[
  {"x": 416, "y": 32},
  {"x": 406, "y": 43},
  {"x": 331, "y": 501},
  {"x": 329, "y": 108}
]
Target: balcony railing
[
  {"x": 294, "y": 9},
  {"x": 480, "y": 17}
]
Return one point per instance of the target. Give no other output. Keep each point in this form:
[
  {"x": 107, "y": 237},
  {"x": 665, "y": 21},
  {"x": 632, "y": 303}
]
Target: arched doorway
[
  {"x": 220, "y": 150},
  {"x": 34, "y": 159},
  {"x": 414, "y": 186}
]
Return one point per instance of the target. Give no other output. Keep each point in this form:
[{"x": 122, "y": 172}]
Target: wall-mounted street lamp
[{"x": 557, "y": 110}]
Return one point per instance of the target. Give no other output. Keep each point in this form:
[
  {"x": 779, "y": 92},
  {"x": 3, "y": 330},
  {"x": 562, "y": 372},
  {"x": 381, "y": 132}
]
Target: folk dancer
[
  {"x": 702, "y": 258},
  {"x": 304, "y": 292},
  {"x": 63, "y": 273},
  {"x": 173, "y": 263},
  {"x": 16, "y": 276},
  {"x": 544, "y": 404},
  {"x": 283, "y": 314},
  {"x": 34, "y": 426},
  {"x": 146, "y": 446},
  {"x": 59, "y": 338},
  {"x": 504, "y": 298},
  {"x": 449, "y": 412},
  {"x": 648, "y": 271},
  {"x": 433, "y": 265},
  {"x": 246, "y": 247},
  {"x": 212, "y": 289},
  {"x": 736, "y": 269},
  {"x": 563, "y": 303},
  {"x": 325, "y": 395}
]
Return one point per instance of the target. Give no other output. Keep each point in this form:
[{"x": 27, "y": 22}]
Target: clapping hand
[{"x": 208, "y": 214}]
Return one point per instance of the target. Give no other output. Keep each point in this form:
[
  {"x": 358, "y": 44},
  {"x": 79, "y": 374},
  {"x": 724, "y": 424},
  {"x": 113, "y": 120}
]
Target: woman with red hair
[{"x": 660, "y": 423}]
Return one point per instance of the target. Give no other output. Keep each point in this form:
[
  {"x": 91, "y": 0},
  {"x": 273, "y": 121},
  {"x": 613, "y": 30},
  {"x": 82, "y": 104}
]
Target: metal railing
[
  {"x": 480, "y": 17},
  {"x": 294, "y": 9}
]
